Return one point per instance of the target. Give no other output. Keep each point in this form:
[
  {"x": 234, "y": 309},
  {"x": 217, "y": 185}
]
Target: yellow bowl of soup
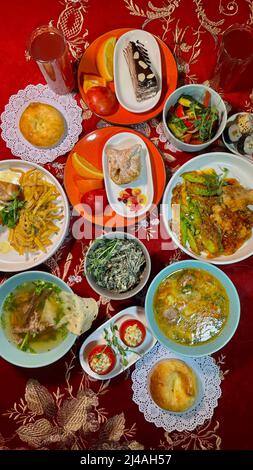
[{"x": 192, "y": 308}]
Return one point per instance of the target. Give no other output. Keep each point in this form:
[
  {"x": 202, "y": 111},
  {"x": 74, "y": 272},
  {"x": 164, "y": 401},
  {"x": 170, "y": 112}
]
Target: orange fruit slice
[
  {"x": 87, "y": 185},
  {"x": 85, "y": 168},
  {"x": 105, "y": 58},
  {"x": 90, "y": 81}
]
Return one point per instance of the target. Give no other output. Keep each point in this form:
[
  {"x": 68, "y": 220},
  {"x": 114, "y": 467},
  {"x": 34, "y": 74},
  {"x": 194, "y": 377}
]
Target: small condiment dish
[{"x": 97, "y": 338}]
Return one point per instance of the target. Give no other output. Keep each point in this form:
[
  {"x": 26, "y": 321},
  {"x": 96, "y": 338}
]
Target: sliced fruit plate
[
  {"x": 96, "y": 70},
  {"x": 128, "y": 175},
  {"x": 117, "y": 344},
  {"x": 84, "y": 178}
]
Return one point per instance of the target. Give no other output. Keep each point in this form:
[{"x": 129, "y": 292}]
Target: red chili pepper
[
  {"x": 189, "y": 124},
  {"x": 179, "y": 112},
  {"x": 206, "y": 99}
]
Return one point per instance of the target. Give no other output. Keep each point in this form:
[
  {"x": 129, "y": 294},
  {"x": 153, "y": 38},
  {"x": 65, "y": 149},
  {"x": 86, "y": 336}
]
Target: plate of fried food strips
[{"x": 34, "y": 215}]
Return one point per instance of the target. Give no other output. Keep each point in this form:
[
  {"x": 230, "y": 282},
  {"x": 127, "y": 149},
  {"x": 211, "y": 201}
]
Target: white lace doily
[
  {"x": 209, "y": 391},
  {"x": 19, "y": 146}
]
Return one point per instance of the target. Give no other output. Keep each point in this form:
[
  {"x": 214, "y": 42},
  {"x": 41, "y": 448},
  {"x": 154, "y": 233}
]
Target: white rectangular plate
[
  {"x": 97, "y": 337},
  {"x": 144, "y": 182},
  {"x": 122, "y": 79}
]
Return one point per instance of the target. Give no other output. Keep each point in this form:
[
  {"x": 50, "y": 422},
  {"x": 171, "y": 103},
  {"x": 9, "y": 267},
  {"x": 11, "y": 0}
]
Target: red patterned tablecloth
[{"x": 43, "y": 408}]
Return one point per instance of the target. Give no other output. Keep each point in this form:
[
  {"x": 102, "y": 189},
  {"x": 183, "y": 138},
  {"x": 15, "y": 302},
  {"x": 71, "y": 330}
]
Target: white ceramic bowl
[
  {"x": 197, "y": 92},
  {"x": 145, "y": 275},
  {"x": 239, "y": 168}
]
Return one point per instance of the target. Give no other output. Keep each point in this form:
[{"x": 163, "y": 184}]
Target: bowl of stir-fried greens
[
  {"x": 117, "y": 265},
  {"x": 194, "y": 116},
  {"x": 207, "y": 208}
]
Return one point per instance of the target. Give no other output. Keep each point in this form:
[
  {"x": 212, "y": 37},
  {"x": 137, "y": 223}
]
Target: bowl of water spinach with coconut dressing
[{"x": 117, "y": 265}]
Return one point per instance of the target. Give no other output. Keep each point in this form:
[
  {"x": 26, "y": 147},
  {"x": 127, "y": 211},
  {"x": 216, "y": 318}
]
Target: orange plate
[
  {"x": 122, "y": 116},
  {"x": 91, "y": 147}
]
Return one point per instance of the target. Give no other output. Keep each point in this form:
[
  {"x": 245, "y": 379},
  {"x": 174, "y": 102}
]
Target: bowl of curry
[{"x": 192, "y": 308}]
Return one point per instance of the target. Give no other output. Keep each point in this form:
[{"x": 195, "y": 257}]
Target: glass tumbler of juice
[
  {"x": 235, "y": 59},
  {"x": 48, "y": 47}
]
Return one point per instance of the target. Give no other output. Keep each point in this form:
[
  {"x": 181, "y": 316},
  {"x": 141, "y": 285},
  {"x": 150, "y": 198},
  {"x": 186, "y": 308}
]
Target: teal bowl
[
  {"x": 9, "y": 351},
  {"x": 229, "y": 329}
]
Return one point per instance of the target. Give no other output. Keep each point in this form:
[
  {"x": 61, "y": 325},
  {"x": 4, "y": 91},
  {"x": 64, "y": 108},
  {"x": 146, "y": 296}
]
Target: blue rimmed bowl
[
  {"x": 8, "y": 350},
  {"x": 217, "y": 342}
]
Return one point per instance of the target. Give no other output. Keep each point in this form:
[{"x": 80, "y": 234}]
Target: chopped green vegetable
[
  {"x": 192, "y": 242},
  {"x": 24, "y": 345},
  {"x": 183, "y": 227},
  {"x": 42, "y": 285},
  {"x": 10, "y": 302},
  {"x": 175, "y": 129},
  {"x": 9, "y": 215},
  {"x": 202, "y": 190},
  {"x": 116, "y": 265},
  {"x": 199, "y": 193}
]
